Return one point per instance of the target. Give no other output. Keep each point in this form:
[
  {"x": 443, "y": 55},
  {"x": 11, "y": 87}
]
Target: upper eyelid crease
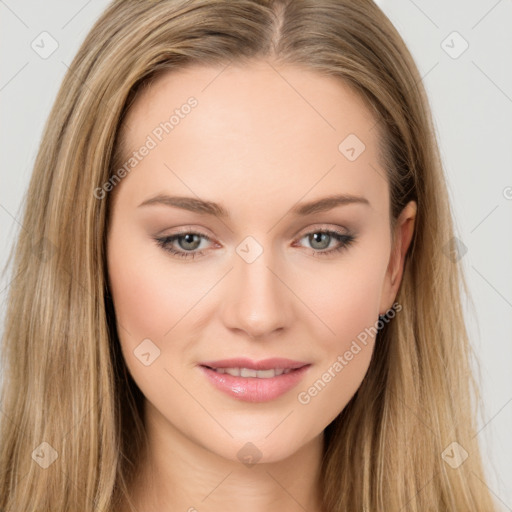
[{"x": 210, "y": 208}]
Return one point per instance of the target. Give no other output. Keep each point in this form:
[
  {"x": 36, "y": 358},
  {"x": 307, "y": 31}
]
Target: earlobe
[{"x": 404, "y": 231}]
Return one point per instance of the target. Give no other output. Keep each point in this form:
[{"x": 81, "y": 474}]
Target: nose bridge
[{"x": 256, "y": 299}]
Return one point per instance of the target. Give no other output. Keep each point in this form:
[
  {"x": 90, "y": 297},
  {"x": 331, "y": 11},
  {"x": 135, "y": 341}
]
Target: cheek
[
  {"x": 150, "y": 298},
  {"x": 144, "y": 304},
  {"x": 347, "y": 354},
  {"x": 356, "y": 304},
  {"x": 345, "y": 296}
]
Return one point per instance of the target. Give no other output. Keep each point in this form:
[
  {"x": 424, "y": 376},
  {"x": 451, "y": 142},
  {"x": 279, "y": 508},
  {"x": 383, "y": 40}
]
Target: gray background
[{"x": 471, "y": 99}]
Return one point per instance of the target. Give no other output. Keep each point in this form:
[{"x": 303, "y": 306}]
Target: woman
[{"x": 240, "y": 293}]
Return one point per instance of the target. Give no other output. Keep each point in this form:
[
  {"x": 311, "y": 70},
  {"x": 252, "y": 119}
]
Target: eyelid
[
  {"x": 185, "y": 230},
  {"x": 323, "y": 227}
]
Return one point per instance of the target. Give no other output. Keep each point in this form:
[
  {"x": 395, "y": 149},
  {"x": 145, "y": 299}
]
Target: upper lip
[{"x": 264, "y": 364}]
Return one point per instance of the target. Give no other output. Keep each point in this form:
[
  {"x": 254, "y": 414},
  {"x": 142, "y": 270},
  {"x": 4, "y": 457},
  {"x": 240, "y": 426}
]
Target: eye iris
[
  {"x": 317, "y": 237},
  {"x": 189, "y": 239}
]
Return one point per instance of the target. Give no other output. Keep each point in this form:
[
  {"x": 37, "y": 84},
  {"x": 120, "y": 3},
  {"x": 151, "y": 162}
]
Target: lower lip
[{"x": 253, "y": 389}]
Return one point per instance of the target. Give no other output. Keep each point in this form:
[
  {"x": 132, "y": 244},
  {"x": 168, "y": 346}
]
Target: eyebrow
[{"x": 210, "y": 208}]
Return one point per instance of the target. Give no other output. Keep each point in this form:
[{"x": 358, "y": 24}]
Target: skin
[{"x": 258, "y": 147}]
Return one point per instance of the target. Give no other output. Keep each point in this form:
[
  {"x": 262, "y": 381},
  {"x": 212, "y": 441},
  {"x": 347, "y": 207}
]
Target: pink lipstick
[{"x": 254, "y": 381}]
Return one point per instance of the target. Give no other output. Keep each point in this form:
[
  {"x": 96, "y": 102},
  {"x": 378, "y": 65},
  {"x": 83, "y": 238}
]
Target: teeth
[{"x": 248, "y": 372}]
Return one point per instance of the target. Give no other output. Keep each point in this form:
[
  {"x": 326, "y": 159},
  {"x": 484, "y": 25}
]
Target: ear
[{"x": 404, "y": 230}]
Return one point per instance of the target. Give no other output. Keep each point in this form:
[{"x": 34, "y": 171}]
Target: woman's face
[{"x": 222, "y": 245}]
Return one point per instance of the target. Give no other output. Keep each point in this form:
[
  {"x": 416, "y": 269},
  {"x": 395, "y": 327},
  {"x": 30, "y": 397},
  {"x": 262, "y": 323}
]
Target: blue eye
[
  {"x": 189, "y": 241},
  {"x": 321, "y": 236}
]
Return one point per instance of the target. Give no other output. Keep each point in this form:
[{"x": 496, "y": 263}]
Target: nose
[{"x": 257, "y": 302}]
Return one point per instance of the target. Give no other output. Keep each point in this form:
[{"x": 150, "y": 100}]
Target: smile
[{"x": 250, "y": 385}]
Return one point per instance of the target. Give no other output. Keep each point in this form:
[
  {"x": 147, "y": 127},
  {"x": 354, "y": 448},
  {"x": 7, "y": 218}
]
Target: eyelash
[{"x": 165, "y": 243}]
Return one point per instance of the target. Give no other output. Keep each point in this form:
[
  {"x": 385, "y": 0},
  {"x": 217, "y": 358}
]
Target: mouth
[{"x": 252, "y": 381}]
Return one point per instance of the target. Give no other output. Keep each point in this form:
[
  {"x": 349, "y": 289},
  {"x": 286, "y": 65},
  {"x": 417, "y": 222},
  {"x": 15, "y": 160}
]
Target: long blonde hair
[{"x": 67, "y": 392}]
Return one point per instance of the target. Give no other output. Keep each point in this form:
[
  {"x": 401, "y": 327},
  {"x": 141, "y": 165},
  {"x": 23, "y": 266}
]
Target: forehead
[
  {"x": 255, "y": 128},
  {"x": 241, "y": 96}
]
